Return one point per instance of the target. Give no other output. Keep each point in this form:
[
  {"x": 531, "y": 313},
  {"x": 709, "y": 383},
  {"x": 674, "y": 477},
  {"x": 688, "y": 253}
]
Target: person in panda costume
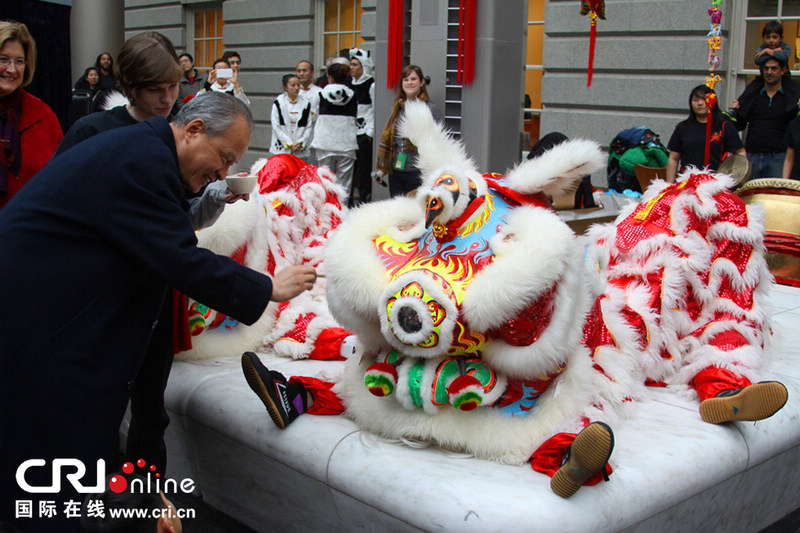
[
  {"x": 334, "y": 140},
  {"x": 291, "y": 120},
  {"x": 362, "y": 69}
]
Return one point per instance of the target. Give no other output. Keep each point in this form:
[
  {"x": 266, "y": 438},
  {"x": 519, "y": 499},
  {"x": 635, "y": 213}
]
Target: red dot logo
[
  {"x": 127, "y": 468},
  {"x": 140, "y": 463},
  {"x": 117, "y": 484},
  {"x": 152, "y": 468}
]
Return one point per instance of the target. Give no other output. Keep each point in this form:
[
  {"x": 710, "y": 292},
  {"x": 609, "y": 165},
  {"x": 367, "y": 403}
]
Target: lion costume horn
[{"x": 553, "y": 173}]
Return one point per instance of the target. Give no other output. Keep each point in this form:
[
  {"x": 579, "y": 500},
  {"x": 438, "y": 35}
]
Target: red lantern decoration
[{"x": 595, "y": 9}]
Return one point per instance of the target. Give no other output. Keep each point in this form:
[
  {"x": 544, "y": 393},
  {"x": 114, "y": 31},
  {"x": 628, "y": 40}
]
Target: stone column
[
  {"x": 492, "y": 105},
  {"x": 96, "y": 26}
]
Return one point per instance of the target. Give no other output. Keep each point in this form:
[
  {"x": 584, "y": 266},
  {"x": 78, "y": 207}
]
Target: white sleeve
[
  {"x": 241, "y": 96},
  {"x": 279, "y": 131}
]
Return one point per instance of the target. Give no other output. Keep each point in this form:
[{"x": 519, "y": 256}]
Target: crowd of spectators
[{"x": 768, "y": 108}]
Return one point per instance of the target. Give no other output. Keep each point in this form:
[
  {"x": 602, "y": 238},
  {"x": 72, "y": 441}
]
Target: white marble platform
[{"x": 673, "y": 472}]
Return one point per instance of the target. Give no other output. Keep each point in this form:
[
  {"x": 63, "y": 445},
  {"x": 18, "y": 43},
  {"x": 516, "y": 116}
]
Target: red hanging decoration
[
  {"x": 595, "y": 9},
  {"x": 394, "y": 52},
  {"x": 466, "y": 41},
  {"x": 714, "y": 44},
  {"x": 711, "y": 102}
]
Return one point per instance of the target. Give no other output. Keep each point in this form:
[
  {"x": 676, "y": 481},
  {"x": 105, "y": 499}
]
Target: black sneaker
[
  {"x": 585, "y": 457},
  {"x": 754, "y": 402},
  {"x": 284, "y": 401}
]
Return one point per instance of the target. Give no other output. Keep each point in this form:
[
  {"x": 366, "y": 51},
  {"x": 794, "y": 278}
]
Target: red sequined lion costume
[{"x": 287, "y": 221}]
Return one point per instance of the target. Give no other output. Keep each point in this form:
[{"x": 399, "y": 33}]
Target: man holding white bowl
[{"x": 88, "y": 250}]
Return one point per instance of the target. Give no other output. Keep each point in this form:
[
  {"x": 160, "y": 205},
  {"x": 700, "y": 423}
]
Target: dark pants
[
  {"x": 149, "y": 418},
  {"x": 766, "y": 164},
  {"x": 402, "y": 182},
  {"x": 361, "y": 177}
]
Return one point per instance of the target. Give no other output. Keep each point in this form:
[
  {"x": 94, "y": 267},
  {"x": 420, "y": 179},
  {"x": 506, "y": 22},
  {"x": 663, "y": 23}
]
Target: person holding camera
[{"x": 224, "y": 79}]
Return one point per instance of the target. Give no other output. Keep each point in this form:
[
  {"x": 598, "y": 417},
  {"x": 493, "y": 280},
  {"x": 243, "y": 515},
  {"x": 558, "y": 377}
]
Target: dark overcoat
[{"x": 87, "y": 250}]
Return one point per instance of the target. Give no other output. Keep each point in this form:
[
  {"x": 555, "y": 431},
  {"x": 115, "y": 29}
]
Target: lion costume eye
[
  {"x": 435, "y": 206},
  {"x": 448, "y": 182}
]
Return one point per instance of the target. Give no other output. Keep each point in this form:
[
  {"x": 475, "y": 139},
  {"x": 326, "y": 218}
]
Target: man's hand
[
  {"x": 231, "y": 198},
  {"x": 291, "y": 281},
  {"x": 235, "y": 80}
]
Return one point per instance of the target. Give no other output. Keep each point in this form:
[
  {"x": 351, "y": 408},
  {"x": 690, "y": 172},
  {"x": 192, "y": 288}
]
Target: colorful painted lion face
[
  {"x": 471, "y": 267},
  {"x": 422, "y": 307}
]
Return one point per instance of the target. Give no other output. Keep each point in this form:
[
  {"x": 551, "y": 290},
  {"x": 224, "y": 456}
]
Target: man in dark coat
[
  {"x": 87, "y": 251},
  {"x": 766, "y": 107}
]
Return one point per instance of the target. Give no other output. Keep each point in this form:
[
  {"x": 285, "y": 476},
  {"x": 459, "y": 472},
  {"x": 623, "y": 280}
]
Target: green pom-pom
[
  {"x": 467, "y": 401},
  {"x": 465, "y": 393},
  {"x": 381, "y": 379},
  {"x": 197, "y": 324}
]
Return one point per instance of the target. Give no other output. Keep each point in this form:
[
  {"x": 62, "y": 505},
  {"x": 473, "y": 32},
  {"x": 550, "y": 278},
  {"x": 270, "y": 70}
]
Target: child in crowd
[
  {"x": 291, "y": 120},
  {"x": 773, "y": 45}
]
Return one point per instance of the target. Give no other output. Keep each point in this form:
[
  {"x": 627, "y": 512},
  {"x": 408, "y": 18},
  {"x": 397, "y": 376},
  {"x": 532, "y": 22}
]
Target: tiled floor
[{"x": 207, "y": 519}]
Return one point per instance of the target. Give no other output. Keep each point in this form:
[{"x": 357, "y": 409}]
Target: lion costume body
[{"x": 485, "y": 325}]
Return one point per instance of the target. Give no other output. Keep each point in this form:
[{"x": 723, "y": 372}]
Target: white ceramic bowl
[{"x": 241, "y": 184}]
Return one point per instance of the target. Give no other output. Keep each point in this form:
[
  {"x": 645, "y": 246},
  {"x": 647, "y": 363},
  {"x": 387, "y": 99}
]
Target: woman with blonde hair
[
  {"x": 148, "y": 72},
  {"x": 29, "y": 130},
  {"x": 397, "y": 156}
]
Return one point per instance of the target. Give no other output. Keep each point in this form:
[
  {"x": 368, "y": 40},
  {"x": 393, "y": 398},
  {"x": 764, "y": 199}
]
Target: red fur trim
[{"x": 713, "y": 380}]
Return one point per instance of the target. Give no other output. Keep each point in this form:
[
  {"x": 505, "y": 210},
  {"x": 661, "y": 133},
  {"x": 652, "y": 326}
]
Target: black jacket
[{"x": 88, "y": 249}]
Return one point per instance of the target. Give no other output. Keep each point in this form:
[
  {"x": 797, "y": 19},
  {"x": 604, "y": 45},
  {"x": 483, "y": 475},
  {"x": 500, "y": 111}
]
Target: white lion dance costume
[
  {"x": 485, "y": 325},
  {"x": 286, "y": 222}
]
